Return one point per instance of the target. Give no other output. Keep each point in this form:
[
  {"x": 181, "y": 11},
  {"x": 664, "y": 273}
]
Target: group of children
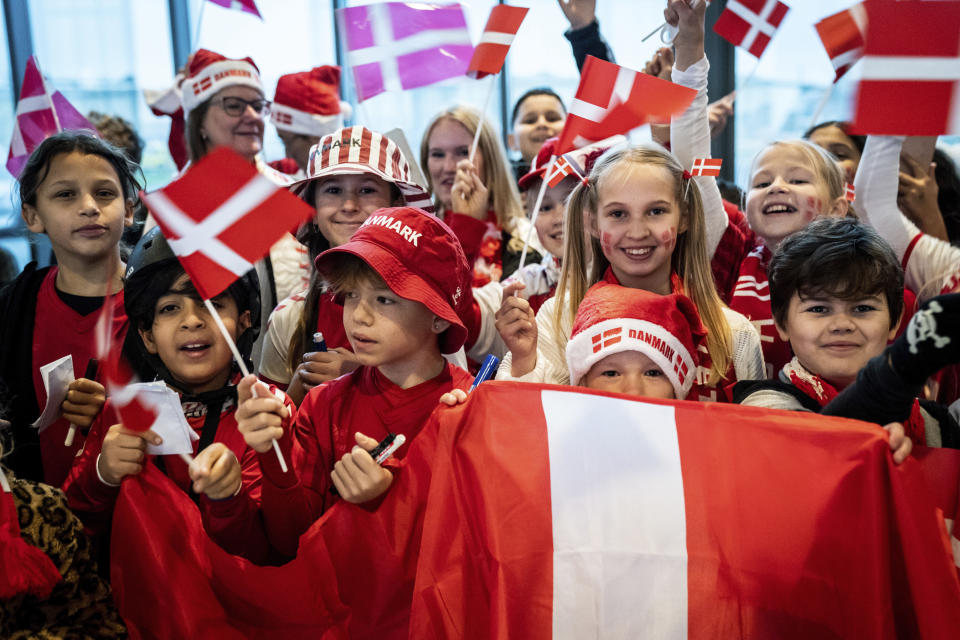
[{"x": 640, "y": 279}]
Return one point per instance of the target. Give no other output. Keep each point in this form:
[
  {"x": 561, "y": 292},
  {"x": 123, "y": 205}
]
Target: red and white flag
[
  {"x": 247, "y": 6},
  {"x": 750, "y": 24},
  {"x": 849, "y": 192},
  {"x": 911, "y": 69},
  {"x": 613, "y": 100},
  {"x": 560, "y": 170},
  {"x": 394, "y": 46},
  {"x": 221, "y": 217},
  {"x": 40, "y": 114},
  {"x": 495, "y": 41},
  {"x": 706, "y": 167},
  {"x": 843, "y": 35}
]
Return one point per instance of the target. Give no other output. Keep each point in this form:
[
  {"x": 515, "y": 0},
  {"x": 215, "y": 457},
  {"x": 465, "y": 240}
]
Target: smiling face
[
  {"x": 539, "y": 117},
  {"x": 550, "y": 219},
  {"x": 833, "y": 337},
  {"x": 448, "y": 144},
  {"x": 834, "y": 140},
  {"x": 81, "y": 207},
  {"x": 343, "y": 202},
  {"x": 632, "y": 373},
  {"x": 243, "y": 133},
  {"x": 637, "y": 222},
  {"x": 785, "y": 194},
  {"x": 186, "y": 338}
]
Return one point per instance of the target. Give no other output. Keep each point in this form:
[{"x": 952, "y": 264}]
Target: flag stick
[
  {"x": 652, "y": 33},
  {"x": 486, "y": 105},
  {"x": 196, "y": 33},
  {"x": 536, "y": 212},
  {"x": 243, "y": 368},
  {"x": 186, "y": 457},
  {"x": 821, "y": 105}
]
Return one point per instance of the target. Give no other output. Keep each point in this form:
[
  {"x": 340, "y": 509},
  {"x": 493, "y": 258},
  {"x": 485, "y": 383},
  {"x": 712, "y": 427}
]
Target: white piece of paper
[
  {"x": 56, "y": 376},
  {"x": 170, "y": 424}
]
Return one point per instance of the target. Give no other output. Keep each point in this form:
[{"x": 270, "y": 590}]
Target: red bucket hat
[{"x": 420, "y": 259}]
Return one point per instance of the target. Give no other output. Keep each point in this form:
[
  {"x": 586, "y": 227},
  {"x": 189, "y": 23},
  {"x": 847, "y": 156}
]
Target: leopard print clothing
[{"x": 81, "y": 605}]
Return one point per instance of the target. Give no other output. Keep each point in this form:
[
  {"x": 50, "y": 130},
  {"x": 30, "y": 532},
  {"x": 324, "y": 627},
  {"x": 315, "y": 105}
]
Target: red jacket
[
  {"x": 364, "y": 400},
  {"x": 234, "y": 523}
]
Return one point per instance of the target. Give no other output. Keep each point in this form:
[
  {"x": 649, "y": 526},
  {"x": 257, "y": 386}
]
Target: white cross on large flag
[
  {"x": 221, "y": 217},
  {"x": 750, "y": 24}
]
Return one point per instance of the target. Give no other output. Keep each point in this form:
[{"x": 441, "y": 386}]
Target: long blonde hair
[
  {"x": 496, "y": 175},
  {"x": 822, "y": 162},
  {"x": 584, "y": 262}
]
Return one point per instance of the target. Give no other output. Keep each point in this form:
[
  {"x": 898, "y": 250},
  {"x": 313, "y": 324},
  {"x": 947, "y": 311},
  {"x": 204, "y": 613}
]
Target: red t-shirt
[{"x": 58, "y": 330}]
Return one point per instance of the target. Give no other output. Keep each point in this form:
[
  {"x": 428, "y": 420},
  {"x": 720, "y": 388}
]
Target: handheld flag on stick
[
  {"x": 395, "y": 46},
  {"x": 706, "y": 167},
  {"x": 843, "y": 35},
  {"x": 750, "y": 24},
  {"x": 220, "y": 218},
  {"x": 849, "y": 193},
  {"x": 40, "y": 114}
]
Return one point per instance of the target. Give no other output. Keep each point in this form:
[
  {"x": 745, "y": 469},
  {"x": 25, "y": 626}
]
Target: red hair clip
[{"x": 686, "y": 175}]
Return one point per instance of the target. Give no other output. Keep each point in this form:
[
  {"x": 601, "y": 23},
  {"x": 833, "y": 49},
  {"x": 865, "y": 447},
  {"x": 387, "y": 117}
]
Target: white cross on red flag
[
  {"x": 560, "y": 170},
  {"x": 247, "y": 6},
  {"x": 750, "y": 24},
  {"x": 706, "y": 167},
  {"x": 843, "y": 35},
  {"x": 911, "y": 69},
  {"x": 221, "y": 217},
  {"x": 612, "y": 100},
  {"x": 40, "y": 114},
  {"x": 495, "y": 41}
]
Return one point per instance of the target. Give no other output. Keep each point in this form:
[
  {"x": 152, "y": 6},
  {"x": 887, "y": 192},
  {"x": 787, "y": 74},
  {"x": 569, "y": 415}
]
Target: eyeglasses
[{"x": 235, "y": 107}]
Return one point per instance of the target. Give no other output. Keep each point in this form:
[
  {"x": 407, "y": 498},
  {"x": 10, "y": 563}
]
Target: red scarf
[
  {"x": 823, "y": 392},
  {"x": 26, "y": 569}
]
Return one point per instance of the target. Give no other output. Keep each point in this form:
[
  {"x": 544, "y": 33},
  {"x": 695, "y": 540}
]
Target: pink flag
[
  {"x": 750, "y": 24},
  {"x": 498, "y": 35},
  {"x": 395, "y": 46},
  {"x": 40, "y": 114},
  {"x": 221, "y": 217},
  {"x": 247, "y": 6}
]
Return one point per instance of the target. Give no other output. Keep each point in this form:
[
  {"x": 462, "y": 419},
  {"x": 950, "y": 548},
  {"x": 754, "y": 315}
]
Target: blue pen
[
  {"x": 319, "y": 344},
  {"x": 487, "y": 369}
]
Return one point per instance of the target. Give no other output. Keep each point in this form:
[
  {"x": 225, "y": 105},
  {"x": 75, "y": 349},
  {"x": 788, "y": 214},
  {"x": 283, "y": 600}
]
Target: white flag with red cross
[
  {"x": 750, "y": 24},
  {"x": 706, "y": 167},
  {"x": 612, "y": 100},
  {"x": 495, "y": 41},
  {"x": 843, "y": 35},
  {"x": 911, "y": 69},
  {"x": 221, "y": 217}
]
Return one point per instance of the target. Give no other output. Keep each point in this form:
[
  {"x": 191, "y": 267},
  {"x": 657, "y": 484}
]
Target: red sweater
[
  {"x": 364, "y": 400},
  {"x": 233, "y": 523},
  {"x": 58, "y": 331}
]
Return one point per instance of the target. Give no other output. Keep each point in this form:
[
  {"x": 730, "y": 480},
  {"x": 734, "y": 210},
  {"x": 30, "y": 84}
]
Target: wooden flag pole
[
  {"x": 536, "y": 212},
  {"x": 243, "y": 368},
  {"x": 486, "y": 105}
]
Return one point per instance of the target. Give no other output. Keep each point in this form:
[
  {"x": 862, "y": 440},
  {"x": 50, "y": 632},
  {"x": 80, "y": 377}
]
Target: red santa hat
[
  {"x": 209, "y": 72},
  {"x": 309, "y": 102},
  {"x": 612, "y": 319}
]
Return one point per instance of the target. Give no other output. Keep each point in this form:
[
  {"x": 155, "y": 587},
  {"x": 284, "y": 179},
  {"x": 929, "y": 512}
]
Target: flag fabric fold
[
  {"x": 912, "y": 49},
  {"x": 495, "y": 41},
  {"x": 843, "y": 35},
  {"x": 247, "y": 6},
  {"x": 395, "y": 46},
  {"x": 750, "y": 24},
  {"x": 537, "y": 511}
]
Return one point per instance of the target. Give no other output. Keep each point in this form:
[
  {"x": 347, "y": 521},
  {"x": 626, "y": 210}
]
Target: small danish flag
[
  {"x": 849, "y": 193},
  {"x": 560, "y": 170},
  {"x": 706, "y": 167},
  {"x": 607, "y": 338},
  {"x": 843, "y": 35},
  {"x": 221, "y": 217},
  {"x": 495, "y": 41},
  {"x": 750, "y": 24}
]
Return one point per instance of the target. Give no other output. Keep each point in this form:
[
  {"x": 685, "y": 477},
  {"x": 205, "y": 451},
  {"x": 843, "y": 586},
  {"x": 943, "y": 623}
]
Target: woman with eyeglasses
[{"x": 224, "y": 105}]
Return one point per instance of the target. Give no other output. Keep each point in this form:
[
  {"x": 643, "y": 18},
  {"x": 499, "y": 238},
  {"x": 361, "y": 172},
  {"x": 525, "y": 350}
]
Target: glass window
[{"x": 294, "y": 35}]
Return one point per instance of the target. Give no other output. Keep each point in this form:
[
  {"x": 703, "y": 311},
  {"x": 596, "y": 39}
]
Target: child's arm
[
  {"x": 357, "y": 476},
  {"x": 690, "y": 131},
  {"x": 85, "y": 399}
]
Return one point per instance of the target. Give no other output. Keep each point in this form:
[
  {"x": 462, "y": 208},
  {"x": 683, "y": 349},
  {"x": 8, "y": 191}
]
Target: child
[
  {"x": 836, "y": 290},
  {"x": 177, "y": 341},
  {"x": 478, "y": 199},
  {"x": 80, "y": 192},
  {"x": 646, "y": 228},
  {"x": 538, "y": 115},
  {"x": 835, "y": 137},
  {"x": 405, "y": 284},
  {"x": 352, "y": 172}
]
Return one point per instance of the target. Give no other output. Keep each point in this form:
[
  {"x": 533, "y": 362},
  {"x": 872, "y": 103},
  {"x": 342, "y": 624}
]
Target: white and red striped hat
[
  {"x": 612, "y": 319},
  {"x": 209, "y": 72},
  {"x": 360, "y": 150},
  {"x": 309, "y": 102}
]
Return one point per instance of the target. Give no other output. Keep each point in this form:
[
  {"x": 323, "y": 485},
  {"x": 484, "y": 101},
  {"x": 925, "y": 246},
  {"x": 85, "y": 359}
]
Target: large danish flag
[
  {"x": 911, "y": 69},
  {"x": 495, "y": 41},
  {"x": 221, "y": 217},
  {"x": 750, "y": 24},
  {"x": 612, "y": 100},
  {"x": 40, "y": 114},
  {"x": 843, "y": 35}
]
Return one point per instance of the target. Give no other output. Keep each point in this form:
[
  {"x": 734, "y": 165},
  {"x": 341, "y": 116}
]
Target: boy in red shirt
[{"x": 405, "y": 285}]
